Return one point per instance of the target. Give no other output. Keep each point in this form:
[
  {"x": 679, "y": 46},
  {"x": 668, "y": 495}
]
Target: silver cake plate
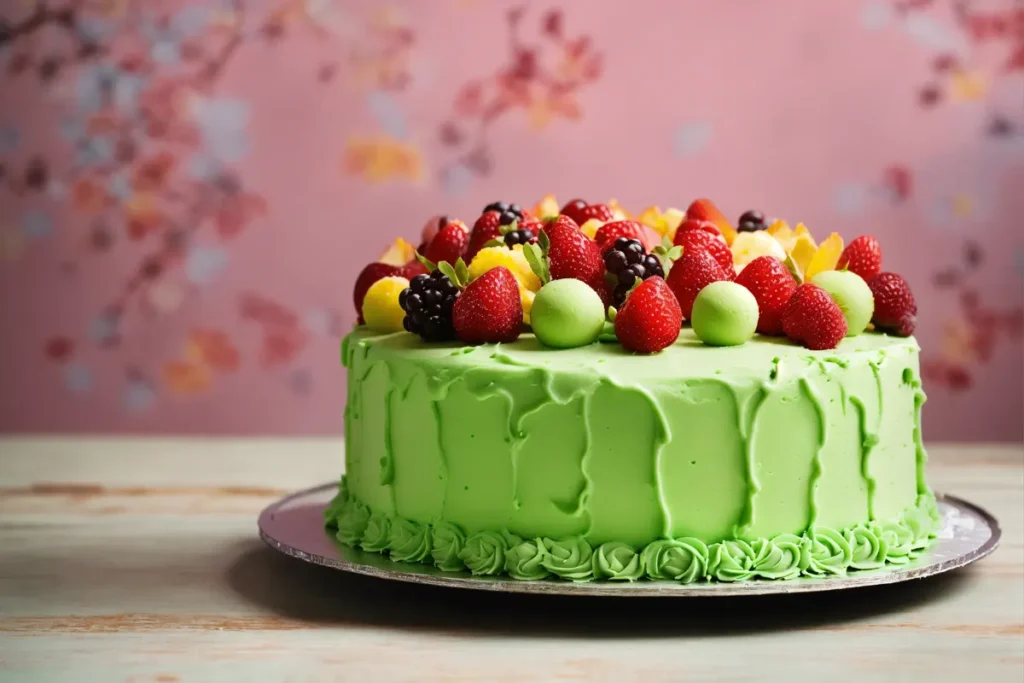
[{"x": 294, "y": 526}]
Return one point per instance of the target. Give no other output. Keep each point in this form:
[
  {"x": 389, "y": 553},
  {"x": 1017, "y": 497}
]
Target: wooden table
[{"x": 138, "y": 560}]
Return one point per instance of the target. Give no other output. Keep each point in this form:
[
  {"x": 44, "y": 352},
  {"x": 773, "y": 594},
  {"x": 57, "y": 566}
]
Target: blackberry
[
  {"x": 427, "y": 303},
  {"x": 521, "y": 236},
  {"x": 628, "y": 262},
  {"x": 505, "y": 207},
  {"x": 751, "y": 221}
]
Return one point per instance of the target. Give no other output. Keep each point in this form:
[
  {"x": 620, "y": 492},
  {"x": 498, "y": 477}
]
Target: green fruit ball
[
  {"x": 566, "y": 314},
  {"x": 852, "y": 294},
  {"x": 724, "y": 314}
]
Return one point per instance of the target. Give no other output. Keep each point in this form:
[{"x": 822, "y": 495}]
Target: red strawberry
[
  {"x": 370, "y": 274},
  {"x": 698, "y": 224},
  {"x": 772, "y": 285},
  {"x": 895, "y": 308},
  {"x": 449, "y": 243},
  {"x": 862, "y": 256},
  {"x": 561, "y": 220},
  {"x": 650, "y": 318},
  {"x": 694, "y": 271},
  {"x": 489, "y": 310},
  {"x": 609, "y": 232},
  {"x": 412, "y": 269},
  {"x": 485, "y": 229},
  {"x": 573, "y": 254},
  {"x": 691, "y": 240},
  {"x": 705, "y": 209},
  {"x": 601, "y": 212},
  {"x": 813, "y": 318},
  {"x": 574, "y": 210}
]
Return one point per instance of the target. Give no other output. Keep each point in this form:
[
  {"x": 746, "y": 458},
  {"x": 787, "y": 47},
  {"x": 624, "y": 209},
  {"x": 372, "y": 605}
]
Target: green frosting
[
  {"x": 484, "y": 553},
  {"x": 617, "y": 562},
  {"x": 724, "y": 314},
  {"x": 410, "y": 541},
  {"x": 525, "y": 561},
  {"x": 351, "y": 522},
  {"x": 335, "y": 506},
  {"x": 568, "y": 559},
  {"x": 377, "y": 534},
  {"x": 567, "y": 313},
  {"x": 448, "y": 542},
  {"x": 693, "y": 458},
  {"x": 853, "y": 296},
  {"x": 680, "y": 559},
  {"x": 779, "y": 558},
  {"x": 827, "y": 553}
]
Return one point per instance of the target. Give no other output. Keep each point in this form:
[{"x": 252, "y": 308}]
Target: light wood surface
[{"x": 138, "y": 560}]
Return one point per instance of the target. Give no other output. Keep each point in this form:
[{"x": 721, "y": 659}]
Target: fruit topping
[
  {"x": 428, "y": 304},
  {"x": 609, "y": 232},
  {"x": 521, "y": 236},
  {"x": 571, "y": 254},
  {"x": 751, "y": 221},
  {"x": 486, "y": 228},
  {"x": 547, "y": 207},
  {"x": 853, "y": 296},
  {"x": 628, "y": 262},
  {"x": 489, "y": 309},
  {"x": 825, "y": 257},
  {"x": 895, "y": 308},
  {"x": 398, "y": 253},
  {"x": 772, "y": 285},
  {"x": 650, "y": 319},
  {"x": 690, "y": 239},
  {"x": 449, "y": 244},
  {"x": 862, "y": 256},
  {"x": 380, "y": 305},
  {"x": 567, "y": 314},
  {"x": 724, "y": 314},
  {"x": 369, "y": 275},
  {"x": 581, "y": 212},
  {"x": 705, "y": 209},
  {"x": 694, "y": 271},
  {"x": 813, "y": 319},
  {"x": 665, "y": 223},
  {"x": 749, "y": 245}
]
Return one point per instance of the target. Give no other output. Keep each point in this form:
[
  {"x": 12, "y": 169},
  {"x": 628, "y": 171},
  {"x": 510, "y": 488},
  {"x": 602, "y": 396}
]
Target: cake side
[{"x": 593, "y": 446}]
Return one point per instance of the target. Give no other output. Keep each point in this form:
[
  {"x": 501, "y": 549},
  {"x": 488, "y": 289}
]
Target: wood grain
[{"x": 137, "y": 560}]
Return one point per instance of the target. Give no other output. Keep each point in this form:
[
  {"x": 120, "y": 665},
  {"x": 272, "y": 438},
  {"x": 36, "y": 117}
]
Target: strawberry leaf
[
  {"x": 427, "y": 263},
  {"x": 449, "y": 272},
  {"x": 544, "y": 241},
  {"x": 494, "y": 243},
  {"x": 537, "y": 257},
  {"x": 462, "y": 273},
  {"x": 666, "y": 243},
  {"x": 667, "y": 254}
]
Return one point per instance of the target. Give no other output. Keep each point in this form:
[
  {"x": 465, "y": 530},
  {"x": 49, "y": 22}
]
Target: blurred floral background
[{"x": 188, "y": 189}]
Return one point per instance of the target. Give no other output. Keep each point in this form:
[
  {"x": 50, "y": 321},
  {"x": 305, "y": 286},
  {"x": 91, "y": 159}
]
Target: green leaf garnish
[
  {"x": 544, "y": 241},
  {"x": 506, "y": 229},
  {"x": 462, "y": 272},
  {"x": 537, "y": 257},
  {"x": 667, "y": 254},
  {"x": 427, "y": 263},
  {"x": 494, "y": 243},
  {"x": 449, "y": 272}
]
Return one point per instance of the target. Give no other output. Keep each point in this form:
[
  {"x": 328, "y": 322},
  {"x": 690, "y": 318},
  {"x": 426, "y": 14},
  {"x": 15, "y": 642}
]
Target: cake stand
[{"x": 294, "y": 526}]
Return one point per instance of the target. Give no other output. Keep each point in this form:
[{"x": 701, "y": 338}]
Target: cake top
[{"x": 581, "y": 273}]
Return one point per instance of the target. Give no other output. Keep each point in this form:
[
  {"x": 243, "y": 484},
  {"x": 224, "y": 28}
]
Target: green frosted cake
[{"x": 759, "y": 460}]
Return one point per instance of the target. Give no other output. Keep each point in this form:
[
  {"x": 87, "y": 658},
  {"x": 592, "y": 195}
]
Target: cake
[{"x": 545, "y": 452}]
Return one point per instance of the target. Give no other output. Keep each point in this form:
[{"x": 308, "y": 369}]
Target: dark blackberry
[
  {"x": 751, "y": 221},
  {"x": 521, "y": 236},
  {"x": 628, "y": 262},
  {"x": 427, "y": 303},
  {"x": 505, "y": 208}
]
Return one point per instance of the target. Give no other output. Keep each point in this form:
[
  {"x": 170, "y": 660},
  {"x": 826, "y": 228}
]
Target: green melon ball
[
  {"x": 724, "y": 314},
  {"x": 566, "y": 314},
  {"x": 852, "y": 294}
]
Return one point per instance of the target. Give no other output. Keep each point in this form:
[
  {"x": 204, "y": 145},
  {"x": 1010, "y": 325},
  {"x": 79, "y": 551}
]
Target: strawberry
[
  {"x": 693, "y": 272},
  {"x": 561, "y": 220},
  {"x": 486, "y": 228},
  {"x": 412, "y": 269},
  {"x": 895, "y": 308},
  {"x": 772, "y": 285},
  {"x": 573, "y": 255},
  {"x": 705, "y": 209},
  {"x": 698, "y": 224},
  {"x": 489, "y": 310},
  {"x": 690, "y": 240},
  {"x": 601, "y": 212},
  {"x": 813, "y": 318},
  {"x": 650, "y": 318},
  {"x": 609, "y": 232},
  {"x": 370, "y": 274},
  {"x": 862, "y": 256},
  {"x": 449, "y": 243}
]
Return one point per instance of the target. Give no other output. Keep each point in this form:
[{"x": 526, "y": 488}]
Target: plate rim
[{"x": 408, "y": 574}]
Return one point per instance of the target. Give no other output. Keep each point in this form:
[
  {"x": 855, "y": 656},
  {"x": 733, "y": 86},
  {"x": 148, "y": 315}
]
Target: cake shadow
[{"x": 321, "y": 596}]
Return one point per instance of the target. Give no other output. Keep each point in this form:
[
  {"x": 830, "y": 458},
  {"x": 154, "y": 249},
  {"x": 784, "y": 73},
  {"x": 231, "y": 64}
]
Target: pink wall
[{"x": 189, "y": 189}]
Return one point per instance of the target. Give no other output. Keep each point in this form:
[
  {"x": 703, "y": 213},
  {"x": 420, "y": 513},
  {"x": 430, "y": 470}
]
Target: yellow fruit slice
[
  {"x": 548, "y": 206},
  {"x": 747, "y": 246},
  {"x": 399, "y": 253},
  {"x": 672, "y": 217},
  {"x": 617, "y": 210},
  {"x": 825, "y": 257},
  {"x": 526, "y": 298},
  {"x": 803, "y": 250},
  {"x": 591, "y": 227},
  {"x": 380, "y": 305},
  {"x": 513, "y": 259},
  {"x": 783, "y": 234}
]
